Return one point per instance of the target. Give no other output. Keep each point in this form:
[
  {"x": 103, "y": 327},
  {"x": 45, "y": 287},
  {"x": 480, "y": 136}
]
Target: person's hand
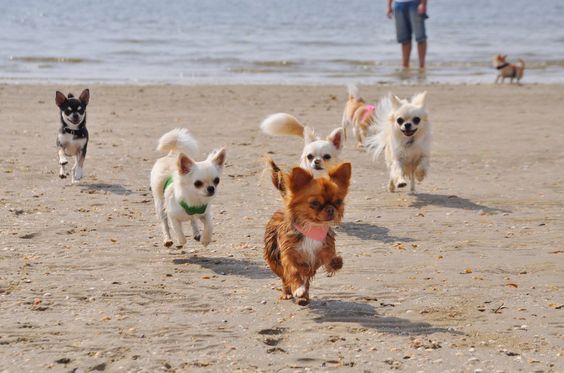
[
  {"x": 389, "y": 12},
  {"x": 422, "y": 8}
]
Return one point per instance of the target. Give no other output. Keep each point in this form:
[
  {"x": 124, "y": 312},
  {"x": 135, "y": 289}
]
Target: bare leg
[
  {"x": 177, "y": 227},
  {"x": 405, "y": 53},
  {"x": 422, "y": 52},
  {"x": 62, "y": 162},
  {"x": 207, "y": 235},
  {"x": 195, "y": 230}
]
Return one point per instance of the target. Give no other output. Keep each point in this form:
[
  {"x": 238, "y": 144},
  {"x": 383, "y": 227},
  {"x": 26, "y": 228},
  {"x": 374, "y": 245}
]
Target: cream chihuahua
[
  {"x": 183, "y": 188},
  {"x": 404, "y": 134}
]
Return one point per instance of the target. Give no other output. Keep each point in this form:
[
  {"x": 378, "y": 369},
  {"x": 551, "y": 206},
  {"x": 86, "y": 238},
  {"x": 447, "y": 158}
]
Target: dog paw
[
  {"x": 197, "y": 237},
  {"x": 402, "y": 184},
  {"x": 336, "y": 263},
  {"x": 62, "y": 176},
  {"x": 167, "y": 243},
  {"x": 205, "y": 241},
  {"x": 179, "y": 246},
  {"x": 63, "y": 163},
  {"x": 299, "y": 292},
  {"x": 302, "y": 301},
  {"x": 286, "y": 296}
]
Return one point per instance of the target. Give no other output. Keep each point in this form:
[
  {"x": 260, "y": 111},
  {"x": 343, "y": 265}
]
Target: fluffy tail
[
  {"x": 520, "y": 63},
  {"x": 354, "y": 93},
  {"x": 276, "y": 176},
  {"x": 282, "y": 124},
  {"x": 178, "y": 140},
  {"x": 376, "y": 143}
]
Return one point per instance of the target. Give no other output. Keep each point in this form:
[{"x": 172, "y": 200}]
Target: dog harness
[
  {"x": 513, "y": 68},
  {"x": 368, "y": 112},
  {"x": 317, "y": 233},
  {"x": 190, "y": 210}
]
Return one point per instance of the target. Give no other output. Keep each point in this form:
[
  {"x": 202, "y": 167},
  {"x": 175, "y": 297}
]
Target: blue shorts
[{"x": 409, "y": 22}]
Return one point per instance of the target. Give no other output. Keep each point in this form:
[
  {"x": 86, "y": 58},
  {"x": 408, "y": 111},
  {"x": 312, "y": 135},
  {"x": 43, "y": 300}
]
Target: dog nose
[
  {"x": 211, "y": 190},
  {"x": 317, "y": 161},
  {"x": 330, "y": 210},
  {"x": 407, "y": 126}
]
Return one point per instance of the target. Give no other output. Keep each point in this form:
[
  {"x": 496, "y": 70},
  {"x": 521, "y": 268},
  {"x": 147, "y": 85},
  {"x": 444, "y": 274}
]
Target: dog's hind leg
[
  {"x": 177, "y": 227},
  {"x": 162, "y": 216},
  {"x": 62, "y": 162}
]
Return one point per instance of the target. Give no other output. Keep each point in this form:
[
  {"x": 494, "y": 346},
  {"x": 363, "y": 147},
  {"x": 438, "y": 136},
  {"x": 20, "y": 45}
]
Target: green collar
[{"x": 190, "y": 210}]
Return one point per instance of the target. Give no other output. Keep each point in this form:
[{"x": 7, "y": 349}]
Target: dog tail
[
  {"x": 354, "y": 92},
  {"x": 376, "y": 142},
  {"x": 282, "y": 124},
  {"x": 178, "y": 140},
  {"x": 277, "y": 176}
]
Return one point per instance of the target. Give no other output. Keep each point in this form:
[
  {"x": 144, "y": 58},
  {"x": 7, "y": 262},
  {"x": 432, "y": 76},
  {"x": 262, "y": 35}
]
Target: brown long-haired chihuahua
[{"x": 299, "y": 239}]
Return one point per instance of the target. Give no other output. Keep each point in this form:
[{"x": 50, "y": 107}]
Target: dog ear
[
  {"x": 309, "y": 135},
  {"x": 218, "y": 157},
  {"x": 395, "y": 101},
  {"x": 419, "y": 99},
  {"x": 85, "y": 96},
  {"x": 299, "y": 178},
  {"x": 184, "y": 164},
  {"x": 60, "y": 98},
  {"x": 341, "y": 174},
  {"x": 336, "y": 138}
]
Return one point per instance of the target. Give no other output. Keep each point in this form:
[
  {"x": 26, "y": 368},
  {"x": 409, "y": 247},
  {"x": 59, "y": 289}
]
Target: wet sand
[{"x": 466, "y": 274}]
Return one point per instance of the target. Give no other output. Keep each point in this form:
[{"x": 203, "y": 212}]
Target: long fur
[
  {"x": 178, "y": 140},
  {"x": 282, "y": 124},
  {"x": 376, "y": 143},
  {"x": 357, "y": 114}
]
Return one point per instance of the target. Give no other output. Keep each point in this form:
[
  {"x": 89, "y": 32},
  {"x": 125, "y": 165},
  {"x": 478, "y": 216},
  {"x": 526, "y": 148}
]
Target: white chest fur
[
  {"x": 70, "y": 145},
  {"x": 310, "y": 247}
]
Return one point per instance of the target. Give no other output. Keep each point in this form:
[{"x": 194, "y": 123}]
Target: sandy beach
[{"x": 466, "y": 275}]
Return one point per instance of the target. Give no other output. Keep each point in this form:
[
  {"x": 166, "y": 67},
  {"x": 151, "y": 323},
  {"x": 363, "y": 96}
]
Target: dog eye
[
  {"x": 327, "y": 157},
  {"x": 338, "y": 202},
  {"x": 400, "y": 121},
  {"x": 315, "y": 204},
  {"x": 216, "y": 180},
  {"x": 416, "y": 120},
  {"x": 198, "y": 184},
  {"x": 310, "y": 157}
]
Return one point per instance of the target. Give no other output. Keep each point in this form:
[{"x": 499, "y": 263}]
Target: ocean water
[{"x": 270, "y": 41}]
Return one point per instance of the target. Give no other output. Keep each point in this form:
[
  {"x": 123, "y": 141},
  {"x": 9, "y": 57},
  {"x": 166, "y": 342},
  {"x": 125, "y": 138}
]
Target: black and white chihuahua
[{"x": 73, "y": 135}]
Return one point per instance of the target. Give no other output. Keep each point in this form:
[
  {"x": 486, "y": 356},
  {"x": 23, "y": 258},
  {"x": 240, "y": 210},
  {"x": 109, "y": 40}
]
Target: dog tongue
[{"x": 317, "y": 233}]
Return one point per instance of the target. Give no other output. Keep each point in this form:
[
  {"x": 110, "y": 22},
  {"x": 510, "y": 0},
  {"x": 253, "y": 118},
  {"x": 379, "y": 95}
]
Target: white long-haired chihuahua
[
  {"x": 183, "y": 188},
  {"x": 404, "y": 135}
]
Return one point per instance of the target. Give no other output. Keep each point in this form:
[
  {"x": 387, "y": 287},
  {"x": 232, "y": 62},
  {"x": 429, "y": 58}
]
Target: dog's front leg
[
  {"x": 396, "y": 175},
  {"x": 62, "y": 162},
  {"x": 207, "y": 234},
  {"x": 77, "y": 168},
  {"x": 195, "y": 229},
  {"x": 422, "y": 169},
  {"x": 177, "y": 227}
]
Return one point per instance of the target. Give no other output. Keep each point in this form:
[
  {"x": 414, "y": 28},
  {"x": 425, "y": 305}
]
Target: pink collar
[
  {"x": 368, "y": 112},
  {"x": 317, "y": 233}
]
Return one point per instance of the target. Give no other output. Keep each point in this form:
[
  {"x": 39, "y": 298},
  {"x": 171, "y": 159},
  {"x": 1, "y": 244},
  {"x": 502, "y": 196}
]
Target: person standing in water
[{"x": 410, "y": 18}]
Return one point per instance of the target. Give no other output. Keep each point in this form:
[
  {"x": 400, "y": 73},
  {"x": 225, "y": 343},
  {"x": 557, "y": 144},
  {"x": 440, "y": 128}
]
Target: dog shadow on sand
[
  {"x": 452, "y": 201},
  {"x": 112, "y": 188},
  {"x": 229, "y": 266},
  {"x": 369, "y": 232},
  {"x": 366, "y": 316}
]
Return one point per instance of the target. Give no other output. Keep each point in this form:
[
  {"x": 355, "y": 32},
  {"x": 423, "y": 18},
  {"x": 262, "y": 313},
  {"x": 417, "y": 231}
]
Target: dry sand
[{"x": 466, "y": 275}]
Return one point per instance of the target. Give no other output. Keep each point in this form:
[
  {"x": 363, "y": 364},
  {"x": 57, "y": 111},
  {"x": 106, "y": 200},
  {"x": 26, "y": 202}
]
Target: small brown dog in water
[{"x": 508, "y": 70}]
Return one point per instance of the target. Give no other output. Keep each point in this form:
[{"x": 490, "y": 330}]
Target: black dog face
[{"x": 73, "y": 110}]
